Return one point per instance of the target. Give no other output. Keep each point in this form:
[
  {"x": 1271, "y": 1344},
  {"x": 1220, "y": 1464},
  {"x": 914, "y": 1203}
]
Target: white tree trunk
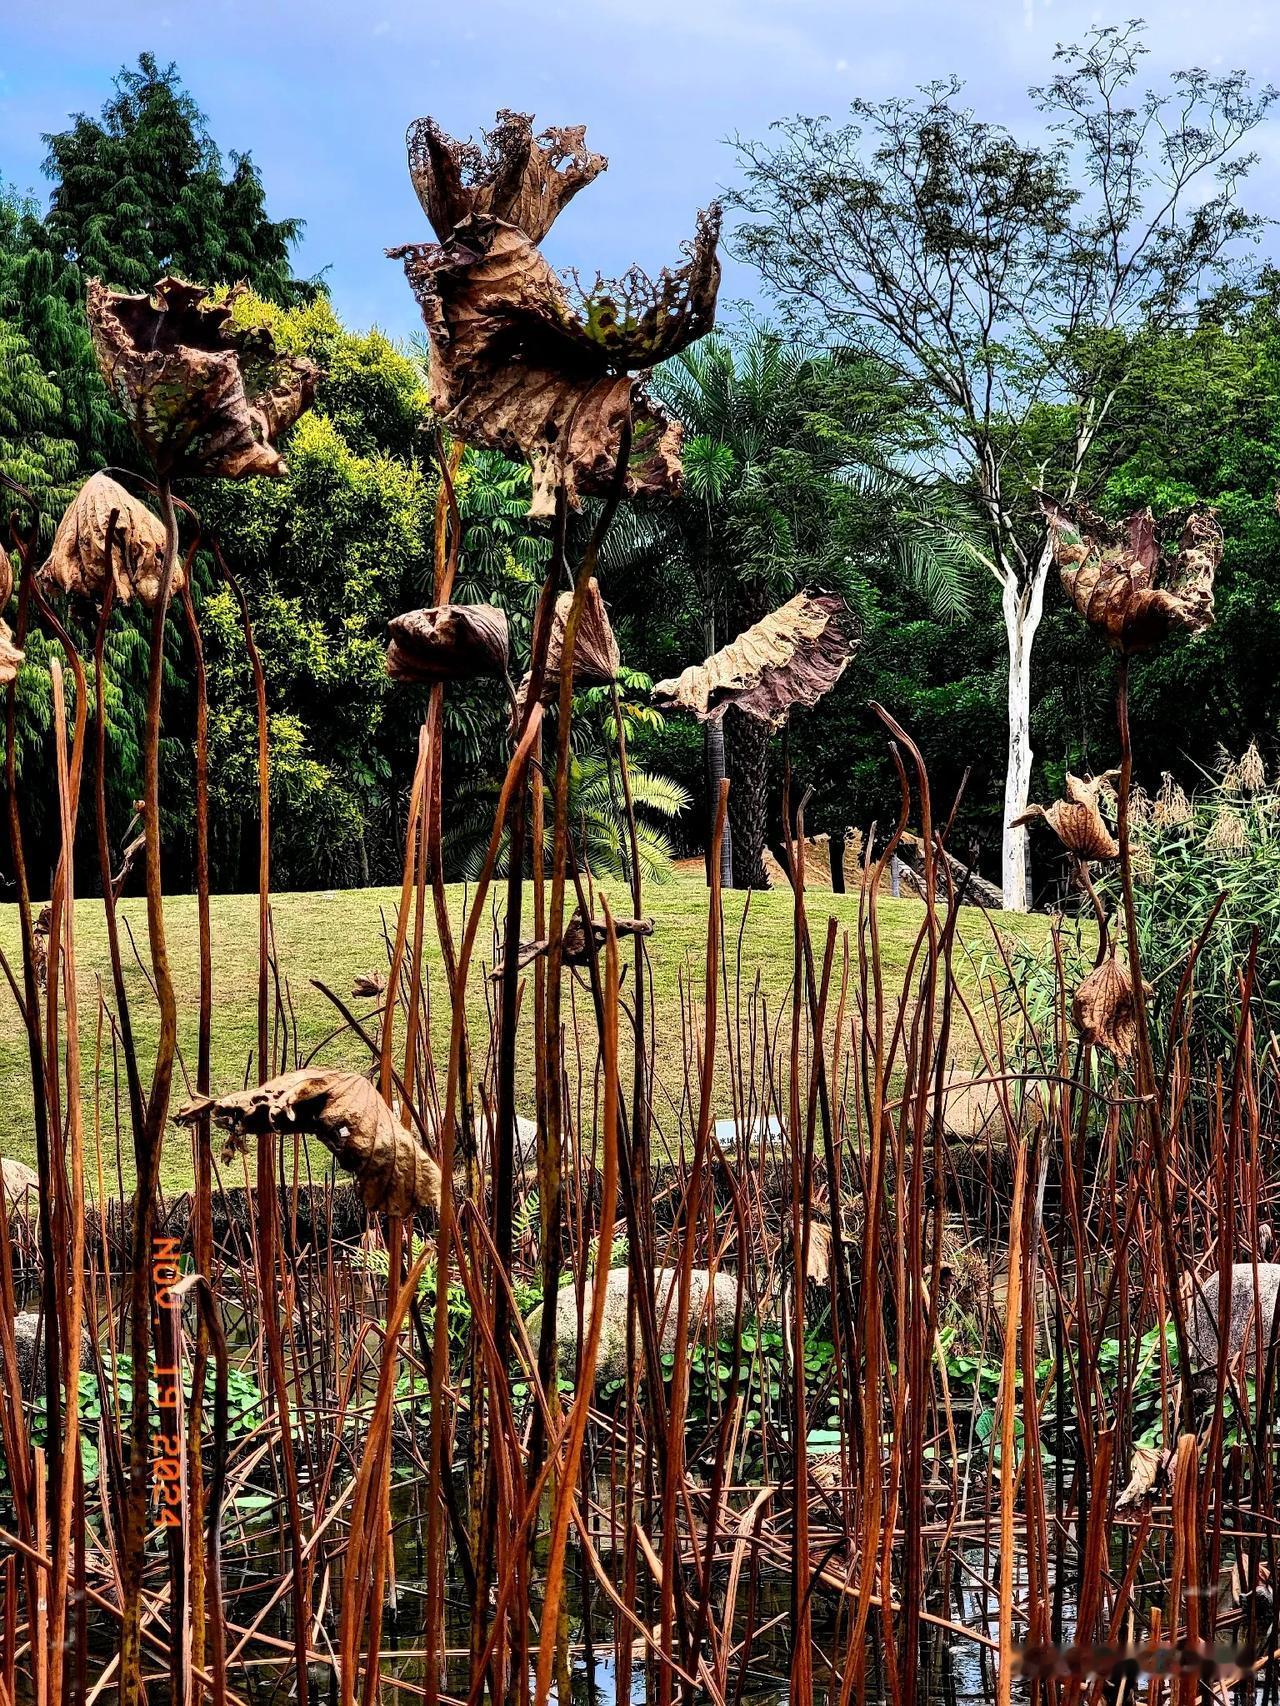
[{"x": 1023, "y": 605}]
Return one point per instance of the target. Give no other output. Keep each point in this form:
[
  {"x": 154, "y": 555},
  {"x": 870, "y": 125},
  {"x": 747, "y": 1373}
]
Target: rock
[
  {"x": 21, "y": 1187},
  {"x": 817, "y": 865},
  {"x": 611, "y": 1360},
  {"x": 1251, "y": 1313},
  {"x": 29, "y": 1341}
]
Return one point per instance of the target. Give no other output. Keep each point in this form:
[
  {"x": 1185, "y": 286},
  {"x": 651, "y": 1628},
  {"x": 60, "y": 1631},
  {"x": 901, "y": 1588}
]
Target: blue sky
[{"x": 321, "y": 93}]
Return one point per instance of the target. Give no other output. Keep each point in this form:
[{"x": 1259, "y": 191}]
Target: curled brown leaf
[
  {"x": 448, "y": 642},
  {"x": 77, "y": 562},
  {"x": 1104, "y": 1008},
  {"x": 202, "y": 394},
  {"x": 596, "y": 657},
  {"x": 1111, "y": 575},
  {"x": 1077, "y": 820},
  {"x": 11, "y": 656},
  {"x": 394, "y": 1173},
  {"x": 516, "y": 364},
  {"x": 513, "y": 176}
]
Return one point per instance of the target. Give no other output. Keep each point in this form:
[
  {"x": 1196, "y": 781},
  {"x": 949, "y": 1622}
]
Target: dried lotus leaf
[
  {"x": 1111, "y": 578},
  {"x": 393, "y": 1172},
  {"x": 1148, "y": 1471},
  {"x": 11, "y": 657},
  {"x": 791, "y": 658},
  {"x": 201, "y": 394},
  {"x": 77, "y": 561},
  {"x": 596, "y": 657},
  {"x": 448, "y": 642},
  {"x": 1077, "y": 820},
  {"x": 516, "y": 177},
  {"x": 1104, "y": 1008},
  {"x": 516, "y": 364}
]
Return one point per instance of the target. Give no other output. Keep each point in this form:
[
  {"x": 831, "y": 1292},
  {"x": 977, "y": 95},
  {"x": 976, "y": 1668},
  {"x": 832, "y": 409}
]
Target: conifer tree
[{"x": 141, "y": 191}]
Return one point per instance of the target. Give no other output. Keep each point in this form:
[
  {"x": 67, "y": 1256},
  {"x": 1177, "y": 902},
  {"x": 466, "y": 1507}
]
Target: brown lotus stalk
[
  {"x": 1104, "y": 1008},
  {"x": 393, "y": 1172},
  {"x": 448, "y": 642},
  {"x": 516, "y": 364},
  {"x": 790, "y": 659},
  {"x": 1110, "y": 576},
  {"x": 202, "y": 394},
  {"x": 78, "y": 563},
  {"x": 1077, "y": 821}
]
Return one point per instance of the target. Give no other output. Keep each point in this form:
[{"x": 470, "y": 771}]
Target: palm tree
[
  {"x": 790, "y": 455},
  {"x": 597, "y": 803}
]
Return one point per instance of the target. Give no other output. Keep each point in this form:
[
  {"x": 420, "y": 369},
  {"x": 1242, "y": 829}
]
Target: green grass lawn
[{"x": 335, "y": 936}]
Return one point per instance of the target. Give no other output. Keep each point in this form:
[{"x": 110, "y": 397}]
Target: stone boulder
[
  {"x": 29, "y": 1342},
  {"x": 21, "y": 1185},
  {"x": 1251, "y": 1313},
  {"x": 718, "y": 1298}
]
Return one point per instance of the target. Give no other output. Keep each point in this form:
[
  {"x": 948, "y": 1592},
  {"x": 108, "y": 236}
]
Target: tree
[
  {"x": 141, "y": 191},
  {"x": 326, "y": 556},
  {"x": 1003, "y": 276},
  {"x": 786, "y": 449},
  {"x": 1198, "y": 419},
  {"x": 51, "y": 398}
]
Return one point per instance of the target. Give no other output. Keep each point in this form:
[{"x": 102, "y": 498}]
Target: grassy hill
[{"x": 335, "y": 936}]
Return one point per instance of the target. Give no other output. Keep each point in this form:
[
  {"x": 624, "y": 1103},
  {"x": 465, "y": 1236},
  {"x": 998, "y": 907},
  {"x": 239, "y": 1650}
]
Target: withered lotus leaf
[
  {"x": 78, "y": 560},
  {"x": 791, "y": 658},
  {"x": 516, "y": 364},
  {"x": 596, "y": 658},
  {"x": 393, "y": 1172},
  {"x": 516, "y": 177},
  {"x": 448, "y": 642},
  {"x": 11, "y": 656},
  {"x": 1077, "y": 821},
  {"x": 1104, "y": 1008},
  {"x": 202, "y": 394},
  {"x": 1110, "y": 575}
]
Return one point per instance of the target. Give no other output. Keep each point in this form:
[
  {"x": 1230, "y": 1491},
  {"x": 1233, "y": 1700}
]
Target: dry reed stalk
[
  {"x": 73, "y": 1294},
  {"x": 202, "y": 1217},
  {"x": 440, "y": 1345},
  {"x": 577, "y": 1423},
  {"x": 1008, "y": 1411},
  {"x": 147, "y": 1153},
  {"x": 268, "y": 1257}
]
